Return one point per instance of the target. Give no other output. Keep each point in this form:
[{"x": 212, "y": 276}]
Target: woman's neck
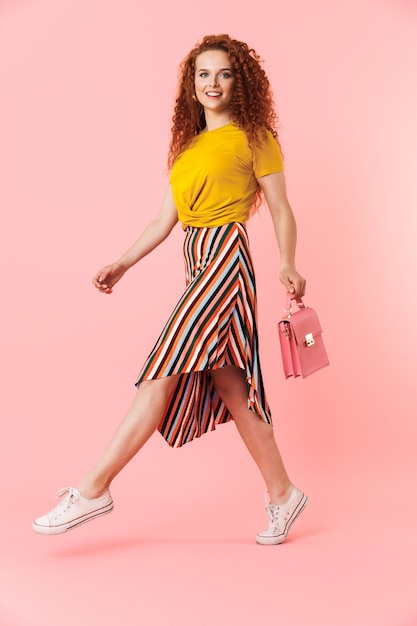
[{"x": 216, "y": 120}]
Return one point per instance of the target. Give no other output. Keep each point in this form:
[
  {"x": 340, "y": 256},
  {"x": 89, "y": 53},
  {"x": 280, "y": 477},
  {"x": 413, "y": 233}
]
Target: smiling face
[{"x": 214, "y": 82}]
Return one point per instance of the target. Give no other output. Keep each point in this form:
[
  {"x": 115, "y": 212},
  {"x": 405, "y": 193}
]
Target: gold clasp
[{"x": 310, "y": 340}]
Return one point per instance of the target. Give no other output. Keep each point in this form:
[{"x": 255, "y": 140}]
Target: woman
[{"x": 204, "y": 369}]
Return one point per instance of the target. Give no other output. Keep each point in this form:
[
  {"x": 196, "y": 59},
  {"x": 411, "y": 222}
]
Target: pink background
[{"x": 87, "y": 90}]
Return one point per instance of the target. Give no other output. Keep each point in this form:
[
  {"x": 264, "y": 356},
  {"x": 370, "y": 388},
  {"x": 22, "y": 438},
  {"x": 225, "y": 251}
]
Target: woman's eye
[{"x": 222, "y": 75}]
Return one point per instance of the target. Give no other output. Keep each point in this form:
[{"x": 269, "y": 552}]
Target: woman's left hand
[{"x": 294, "y": 283}]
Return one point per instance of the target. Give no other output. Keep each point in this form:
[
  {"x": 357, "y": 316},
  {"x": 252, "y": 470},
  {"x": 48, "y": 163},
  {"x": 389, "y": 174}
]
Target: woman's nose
[{"x": 214, "y": 81}]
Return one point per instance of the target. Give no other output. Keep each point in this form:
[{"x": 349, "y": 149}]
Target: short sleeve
[{"x": 267, "y": 157}]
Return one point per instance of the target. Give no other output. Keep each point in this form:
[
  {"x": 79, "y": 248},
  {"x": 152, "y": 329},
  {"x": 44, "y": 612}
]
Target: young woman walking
[{"x": 204, "y": 369}]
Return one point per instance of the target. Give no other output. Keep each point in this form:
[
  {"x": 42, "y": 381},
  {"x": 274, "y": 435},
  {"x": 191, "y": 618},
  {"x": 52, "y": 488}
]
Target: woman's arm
[
  {"x": 152, "y": 236},
  {"x": 274, "y": 189}
]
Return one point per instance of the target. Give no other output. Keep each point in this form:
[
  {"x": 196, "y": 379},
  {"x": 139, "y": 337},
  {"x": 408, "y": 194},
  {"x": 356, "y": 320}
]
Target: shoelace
[
  {"x": 269, "y": 511},
  {"x": 273, "y": 511},
  {"x": 73, "y": 496},
  {"x": 268, "y": 507}
]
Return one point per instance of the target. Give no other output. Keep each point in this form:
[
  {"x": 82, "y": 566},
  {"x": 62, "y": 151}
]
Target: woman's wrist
[
  {"x": 287, "y": 266},
  {"x": 122, "y": 265}
]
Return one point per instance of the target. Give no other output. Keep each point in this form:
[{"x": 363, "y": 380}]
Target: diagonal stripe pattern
[{"x": 212, "y": 326}]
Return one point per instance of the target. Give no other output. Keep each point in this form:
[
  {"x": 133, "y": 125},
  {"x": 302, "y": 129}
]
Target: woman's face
[{"x": 214, "y": 80}]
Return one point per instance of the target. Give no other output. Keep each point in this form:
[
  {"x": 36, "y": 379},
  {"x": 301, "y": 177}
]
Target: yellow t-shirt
[{"x": 214, "y": 179}]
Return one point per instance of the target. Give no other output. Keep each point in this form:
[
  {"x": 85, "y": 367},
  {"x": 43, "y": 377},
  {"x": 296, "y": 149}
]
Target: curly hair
[{"x": 252, "y": 105}]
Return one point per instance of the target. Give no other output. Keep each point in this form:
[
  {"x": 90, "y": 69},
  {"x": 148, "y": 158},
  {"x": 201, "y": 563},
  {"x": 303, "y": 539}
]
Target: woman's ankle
[
  {"x": 280, "y": 495},
  {"x": 91, "y": 490}
]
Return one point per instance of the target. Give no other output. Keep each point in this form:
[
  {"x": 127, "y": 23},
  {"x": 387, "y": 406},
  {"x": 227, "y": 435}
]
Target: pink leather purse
[{"x": 302, "y": 346}]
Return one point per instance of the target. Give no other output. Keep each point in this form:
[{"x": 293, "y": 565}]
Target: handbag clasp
[{"x": 309, "y": 340}]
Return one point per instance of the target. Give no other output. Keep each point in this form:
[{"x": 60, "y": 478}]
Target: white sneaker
[
  {"x": 72, "y": 511},
  {"x": 281, "y": 517}
]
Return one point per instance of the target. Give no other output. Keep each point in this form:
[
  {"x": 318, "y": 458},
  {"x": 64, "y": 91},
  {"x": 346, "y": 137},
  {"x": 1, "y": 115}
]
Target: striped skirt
[{"x": 212, "y": 326}]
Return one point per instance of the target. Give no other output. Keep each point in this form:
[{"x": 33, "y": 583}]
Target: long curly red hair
[{"x": 252, "y": 107}]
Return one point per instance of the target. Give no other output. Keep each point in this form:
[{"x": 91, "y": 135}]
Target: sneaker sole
[
  {"x": 63, "y": 528},
  {"x": 274, "y": 541}
]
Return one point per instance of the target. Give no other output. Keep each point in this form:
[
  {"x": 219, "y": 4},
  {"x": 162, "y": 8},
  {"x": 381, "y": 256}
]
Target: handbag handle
[{"x": 288, "y": 307}]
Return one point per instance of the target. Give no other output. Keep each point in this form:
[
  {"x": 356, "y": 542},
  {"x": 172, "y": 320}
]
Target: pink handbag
[{"x": 302, "y": 346}]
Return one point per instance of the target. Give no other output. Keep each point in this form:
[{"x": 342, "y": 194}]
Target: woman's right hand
[{"x": 107, "y": 277}]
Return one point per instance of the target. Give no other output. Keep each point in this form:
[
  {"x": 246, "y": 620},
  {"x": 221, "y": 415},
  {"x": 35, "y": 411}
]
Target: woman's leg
[
  {"x": 258, "y": 436},
  {"x": 140, "y": 422},
  {"x": 92, "y": 498}
]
